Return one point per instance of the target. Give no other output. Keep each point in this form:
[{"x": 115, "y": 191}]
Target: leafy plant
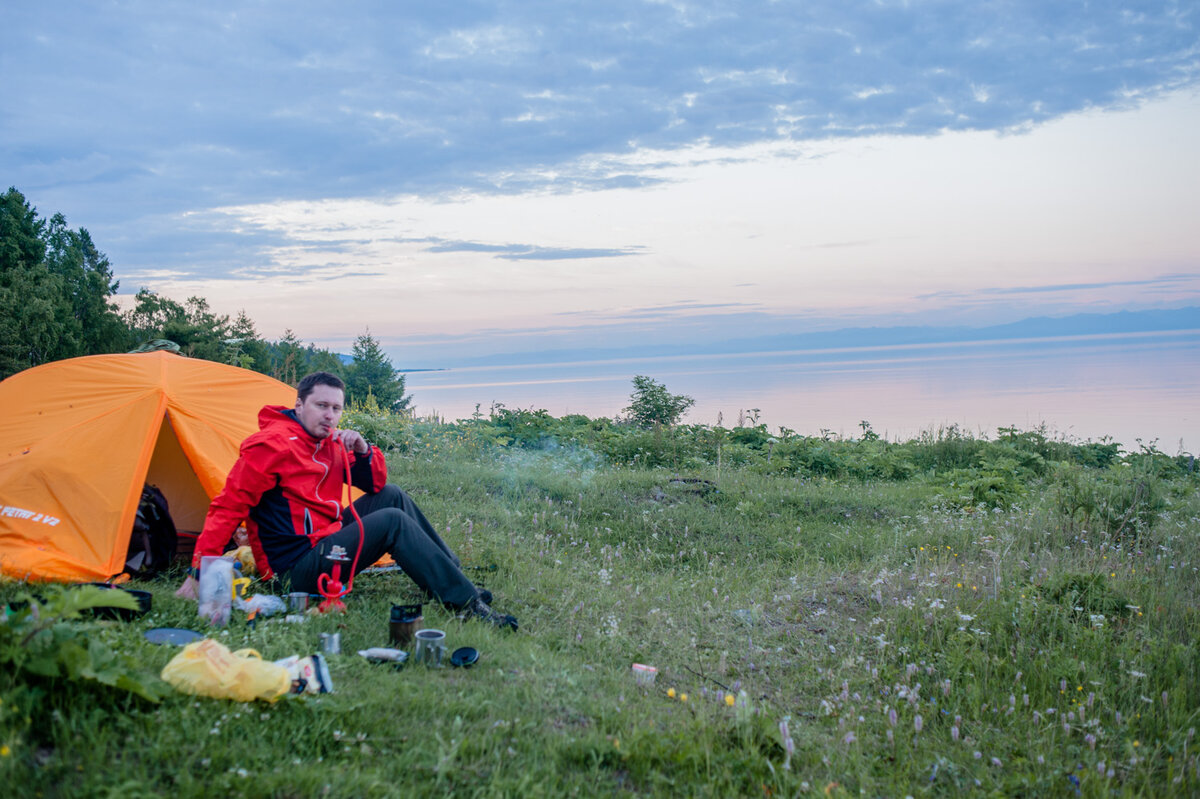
[
  {"x": 651, "y": 404},
  {"x": 45, "y": 638}
]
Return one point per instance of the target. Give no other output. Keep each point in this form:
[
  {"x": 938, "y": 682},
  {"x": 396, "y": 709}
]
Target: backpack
[{"x": 154, "y": 539}]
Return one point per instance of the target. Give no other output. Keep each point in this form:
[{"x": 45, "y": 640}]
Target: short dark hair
[{"x": 309, "y": 382}]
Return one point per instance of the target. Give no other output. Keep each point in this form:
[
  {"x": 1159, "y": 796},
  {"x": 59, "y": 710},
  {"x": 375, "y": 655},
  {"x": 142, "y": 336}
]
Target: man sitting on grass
[{"x": 287, "y": 487}]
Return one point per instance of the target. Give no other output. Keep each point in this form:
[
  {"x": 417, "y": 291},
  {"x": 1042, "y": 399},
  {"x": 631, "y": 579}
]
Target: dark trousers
[{"x": 392, "y": 523}]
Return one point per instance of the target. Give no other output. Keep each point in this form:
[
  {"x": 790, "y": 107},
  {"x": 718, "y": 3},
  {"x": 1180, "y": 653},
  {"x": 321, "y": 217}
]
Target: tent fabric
[{"x": 80, "y": 437}]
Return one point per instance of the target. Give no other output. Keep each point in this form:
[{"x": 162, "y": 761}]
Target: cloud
[
  {"x": 529, "y": 252},
  {"x": 1165, "y": 281},
  {"x": 262, "y": 102}
]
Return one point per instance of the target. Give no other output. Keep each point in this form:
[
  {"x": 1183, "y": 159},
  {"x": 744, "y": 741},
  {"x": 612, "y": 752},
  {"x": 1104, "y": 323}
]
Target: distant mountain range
[{"x": 1040, "y": 327}]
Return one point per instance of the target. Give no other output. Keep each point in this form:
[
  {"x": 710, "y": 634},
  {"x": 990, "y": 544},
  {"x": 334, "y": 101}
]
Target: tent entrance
[{"x": 173, "y": 474}]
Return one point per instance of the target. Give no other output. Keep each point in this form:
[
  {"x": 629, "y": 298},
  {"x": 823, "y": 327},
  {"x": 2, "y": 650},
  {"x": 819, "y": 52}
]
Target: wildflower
[
  {"x": 849, "y": 738},
  {"x": 683, "y": 697},
  {"x": 954, "y": 733},
  {"x": 729, "y": 700},
  {"x": 1090, "y": 740},
  {"x": 918, "y": 722},
  {"x": 5, "y": 751},
  {"x": 892, "y": 717},
  {"x": 996, "y": 762},
  {"x": 978, "y": 755},
  {"x": 671, "y": 692}
]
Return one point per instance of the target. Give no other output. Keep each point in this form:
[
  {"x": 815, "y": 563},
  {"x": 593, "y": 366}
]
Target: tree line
[{"x": 56, "y": 290}]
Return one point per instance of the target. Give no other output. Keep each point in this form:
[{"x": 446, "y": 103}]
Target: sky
[{"x": 488, "y": 177}]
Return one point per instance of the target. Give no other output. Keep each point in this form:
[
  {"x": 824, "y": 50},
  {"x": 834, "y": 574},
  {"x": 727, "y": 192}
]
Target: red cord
[
  {"x": 354, "y": 513},
  {"x": 323, "y": 579}
]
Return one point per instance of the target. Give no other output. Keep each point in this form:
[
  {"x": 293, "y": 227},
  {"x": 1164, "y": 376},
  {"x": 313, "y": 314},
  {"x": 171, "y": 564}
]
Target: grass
[{"x": 913, "y": 640}]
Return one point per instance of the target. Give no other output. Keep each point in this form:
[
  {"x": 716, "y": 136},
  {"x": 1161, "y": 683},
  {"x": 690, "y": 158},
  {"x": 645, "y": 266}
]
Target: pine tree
[{"x": 372, "y": 373}]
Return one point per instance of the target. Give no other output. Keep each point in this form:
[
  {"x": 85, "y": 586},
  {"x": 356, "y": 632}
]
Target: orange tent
[{"x": 78, "y": 438}]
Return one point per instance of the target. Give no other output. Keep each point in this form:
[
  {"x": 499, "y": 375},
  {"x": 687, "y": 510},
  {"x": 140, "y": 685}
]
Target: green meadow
[{"x": 1015, "y": 616}]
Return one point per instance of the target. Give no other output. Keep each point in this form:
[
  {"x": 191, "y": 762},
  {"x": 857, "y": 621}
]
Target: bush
[{"x": 651, "y": 404}]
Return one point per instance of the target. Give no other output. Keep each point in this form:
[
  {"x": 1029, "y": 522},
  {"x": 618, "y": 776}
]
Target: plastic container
[
  {"x": 216, "y": 590},
  {"x": 643, "y": 674}
]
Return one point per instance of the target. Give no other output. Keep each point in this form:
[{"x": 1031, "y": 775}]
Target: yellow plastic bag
[{"x": 208, "y": 668}]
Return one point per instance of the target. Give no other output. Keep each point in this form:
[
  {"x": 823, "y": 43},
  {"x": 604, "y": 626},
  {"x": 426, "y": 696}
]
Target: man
[{"x": 287, "y": 487}]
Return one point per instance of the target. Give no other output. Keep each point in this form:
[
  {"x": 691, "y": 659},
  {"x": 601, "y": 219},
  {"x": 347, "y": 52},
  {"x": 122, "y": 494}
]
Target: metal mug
[
  {"x": 431, "y": 648},
  {"x": 297, "y": 600},
  {"x": 331, "y": 643}
]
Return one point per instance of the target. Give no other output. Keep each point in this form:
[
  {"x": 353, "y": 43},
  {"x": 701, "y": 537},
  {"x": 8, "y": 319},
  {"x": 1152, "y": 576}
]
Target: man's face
[{"x": 320, "y": 411}]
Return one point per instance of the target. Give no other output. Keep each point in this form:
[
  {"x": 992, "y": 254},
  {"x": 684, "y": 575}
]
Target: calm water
[{"x": 1129, "y": 387}]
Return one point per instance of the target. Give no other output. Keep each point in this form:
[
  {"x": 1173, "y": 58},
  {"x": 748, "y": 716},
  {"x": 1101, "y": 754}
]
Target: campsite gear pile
[{"x": 209, "y": 668}]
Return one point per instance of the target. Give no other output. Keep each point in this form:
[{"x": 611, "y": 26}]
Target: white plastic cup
[{"x": 644, "y": 675}]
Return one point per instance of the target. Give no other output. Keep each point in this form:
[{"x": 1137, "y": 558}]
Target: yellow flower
[
  {"x": 683, "y": 697},
  {"x": 671, "y": 692},
  {"x": 1137, "y": 743},
  {"x": 729, "y": 699},
  {"x": 5, "y": 751}
]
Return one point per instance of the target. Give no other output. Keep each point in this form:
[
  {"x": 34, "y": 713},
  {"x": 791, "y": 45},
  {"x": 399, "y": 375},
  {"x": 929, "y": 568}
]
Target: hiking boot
[{"x": 482, "y": 611}]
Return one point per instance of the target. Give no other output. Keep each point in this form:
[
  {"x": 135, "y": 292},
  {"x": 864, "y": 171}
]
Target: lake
[{"x": 1129, "y": 386}]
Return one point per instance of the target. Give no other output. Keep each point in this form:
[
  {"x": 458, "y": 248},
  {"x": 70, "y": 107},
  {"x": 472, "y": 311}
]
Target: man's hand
[
  {"x": 353, "y": 441},
  {"x": 189, "y": 588}
]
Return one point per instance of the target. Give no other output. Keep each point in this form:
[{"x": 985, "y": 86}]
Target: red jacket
[{"x": 287, "y": 486}]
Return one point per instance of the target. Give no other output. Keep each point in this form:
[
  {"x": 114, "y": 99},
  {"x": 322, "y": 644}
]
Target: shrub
[{"x": 651, "y": 404}]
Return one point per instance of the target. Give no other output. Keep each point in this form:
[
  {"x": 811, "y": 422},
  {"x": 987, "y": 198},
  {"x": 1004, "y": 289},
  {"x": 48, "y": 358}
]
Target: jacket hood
[{"x": 281, "y": 416}]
